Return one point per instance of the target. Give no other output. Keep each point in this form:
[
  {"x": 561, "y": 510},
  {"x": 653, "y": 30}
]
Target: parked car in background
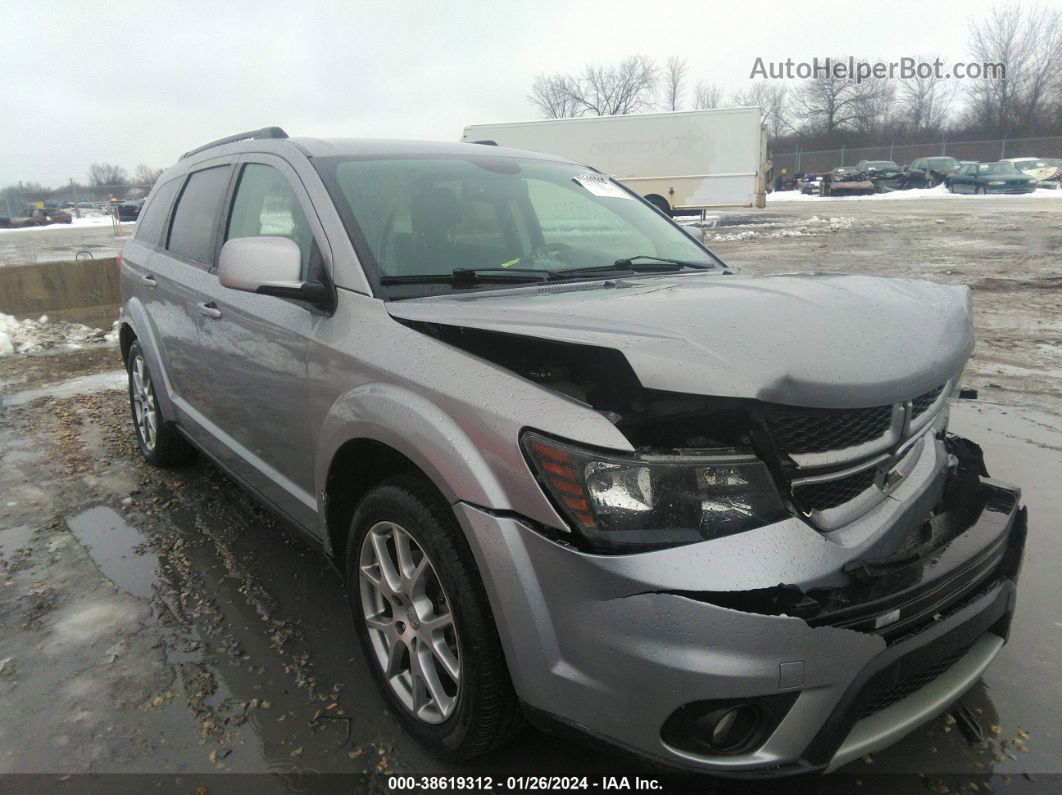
[
  {"x": 885, "y": 174},
  {"x": 1001, "y": 177},
  {"x": 928, "y": 172},
  {"x": 846, "y": 181},
  {"x": 559, "y": 500},
  {"x": 41, "y": 216},
  {"x": 810, "y": 184},
  {"x": 1045, "y": 174},
  {"x": 129, "y": 210}
]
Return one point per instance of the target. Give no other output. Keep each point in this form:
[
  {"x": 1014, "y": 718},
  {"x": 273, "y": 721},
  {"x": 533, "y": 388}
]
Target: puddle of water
[
  {"x": 112, "y": 544},
  {"x": 13, "y": 538},
  {"x": 83, "y": 385}
]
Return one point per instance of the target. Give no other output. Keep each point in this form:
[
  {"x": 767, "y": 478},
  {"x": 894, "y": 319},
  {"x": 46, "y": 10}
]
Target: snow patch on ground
[
  {"x": 76, "y": 223},
  {"x": 800, "y": 227},
  {"x": 30, "y": 336},
  {"x": 939, "y": 192}
]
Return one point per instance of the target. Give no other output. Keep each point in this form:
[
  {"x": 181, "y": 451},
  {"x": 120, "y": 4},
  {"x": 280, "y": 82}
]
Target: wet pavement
[{"x": 162, "y": 621}]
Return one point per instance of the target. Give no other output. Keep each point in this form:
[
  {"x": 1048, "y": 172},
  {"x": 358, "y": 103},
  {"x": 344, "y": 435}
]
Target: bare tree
[
  {"x": 1028, "y": 42},
  {"x": 146, "y": 176},
  {"x": 555, "y": 96},
  {"x": 618, "y": 90},
  {"x": 1043, "y": 72},
  {"x": 831, "y": 103},
  {"x": 925, "y": 100},
  {"x": 674, "y": 82},
  {"x": 773, "y": 100},
  {"x": 106, "y": 174},
  {"x": 626, "y": 87},
  {"x": 707, "y": 95}
]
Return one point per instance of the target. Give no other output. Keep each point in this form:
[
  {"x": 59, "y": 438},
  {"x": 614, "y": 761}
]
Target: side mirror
[{"x": 268, "y": 266}]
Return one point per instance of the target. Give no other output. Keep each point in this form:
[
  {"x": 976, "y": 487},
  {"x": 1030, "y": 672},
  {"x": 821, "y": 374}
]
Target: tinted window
[
  {"x": 192, "y": 232},
  {"x": 153, "y": 216},
  {"x": 265, "y": 204}
]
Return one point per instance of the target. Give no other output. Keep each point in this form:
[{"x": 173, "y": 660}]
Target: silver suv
[{"x": 574, "y": 469}]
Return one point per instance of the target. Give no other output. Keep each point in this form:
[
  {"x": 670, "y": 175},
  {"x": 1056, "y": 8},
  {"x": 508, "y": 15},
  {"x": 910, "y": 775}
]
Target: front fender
[{"x": 422, "y": 431}]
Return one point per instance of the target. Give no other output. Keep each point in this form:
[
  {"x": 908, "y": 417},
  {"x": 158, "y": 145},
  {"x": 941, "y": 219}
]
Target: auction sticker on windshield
[{"x": 601, "y": 186}]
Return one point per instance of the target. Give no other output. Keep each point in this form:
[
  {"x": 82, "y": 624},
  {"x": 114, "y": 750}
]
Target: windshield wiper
[
  {"x": 472, "y": 276},
  {"x": 628, "y": 262}
]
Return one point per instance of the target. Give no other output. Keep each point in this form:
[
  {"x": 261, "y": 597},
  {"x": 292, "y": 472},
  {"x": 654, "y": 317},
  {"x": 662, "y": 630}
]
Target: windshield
[
  {"x": 417, "y": 217},
  {"x": 942, "y": 162},
  {"x": 997, "y": 168},
  {"x": 1029, "y": 163}
]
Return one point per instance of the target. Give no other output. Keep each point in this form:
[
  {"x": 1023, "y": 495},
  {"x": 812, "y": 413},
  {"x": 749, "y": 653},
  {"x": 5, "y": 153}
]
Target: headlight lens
[{"x": 635, "y": 503}]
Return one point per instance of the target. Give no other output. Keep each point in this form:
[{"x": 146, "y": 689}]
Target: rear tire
[
  {"x": 160, "y": 443},
  {"x": 422, "y": 628}
]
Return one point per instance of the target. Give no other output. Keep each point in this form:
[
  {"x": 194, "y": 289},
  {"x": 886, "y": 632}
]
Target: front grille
[
  {"x": 922, "y": 403},
  {"x": 820, "y": 430},
  {"x": 831, "y": 493},
  {"x": 912, "y": 684}
]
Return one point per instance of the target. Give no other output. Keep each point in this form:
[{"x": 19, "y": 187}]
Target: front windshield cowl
[{"x": 422, "y": 224}]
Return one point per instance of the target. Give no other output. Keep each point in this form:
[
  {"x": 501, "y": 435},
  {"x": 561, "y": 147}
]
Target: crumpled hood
[{"x": 805, "y": 340}]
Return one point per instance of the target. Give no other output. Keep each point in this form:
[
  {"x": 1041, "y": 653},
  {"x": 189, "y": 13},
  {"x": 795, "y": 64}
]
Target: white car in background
[{"x": 1047, "y": 173}]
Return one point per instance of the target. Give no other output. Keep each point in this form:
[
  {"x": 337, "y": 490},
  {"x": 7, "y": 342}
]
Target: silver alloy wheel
[
  {"x": 411, "y": 628},
  {"x": 145, "y": 411}
]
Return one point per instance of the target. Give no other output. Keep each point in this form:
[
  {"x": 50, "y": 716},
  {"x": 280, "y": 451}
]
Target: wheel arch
[
  {"x": 356, "y": 467},
  {"x": 658, "y": 201}
]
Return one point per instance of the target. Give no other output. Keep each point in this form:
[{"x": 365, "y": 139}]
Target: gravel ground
[{"x": 161, "y": 622}]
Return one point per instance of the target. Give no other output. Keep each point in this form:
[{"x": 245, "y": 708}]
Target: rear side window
[
  {"x": 265, "y": 204},
  {"x": 153, "y": 217},
  {"x": 194, "y": 220}
]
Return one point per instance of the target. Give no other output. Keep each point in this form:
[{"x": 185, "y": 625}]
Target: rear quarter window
[
  {"x": 196, "y": 216},
  {"x": 153, "y": 218}
]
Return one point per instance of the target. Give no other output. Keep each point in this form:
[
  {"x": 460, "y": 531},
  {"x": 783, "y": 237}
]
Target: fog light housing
[{"x": 726, "y": 728}]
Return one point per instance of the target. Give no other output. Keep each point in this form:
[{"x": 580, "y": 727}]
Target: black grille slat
[
  {"x": 912, "y": 684},
  {"x": 920, "y": 405},
  {"x": 831, "y": 493},
  {"x": 822, "y": 430}
]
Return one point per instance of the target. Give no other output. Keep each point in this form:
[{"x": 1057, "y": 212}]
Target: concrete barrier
[{"x": 85, "y": 291}]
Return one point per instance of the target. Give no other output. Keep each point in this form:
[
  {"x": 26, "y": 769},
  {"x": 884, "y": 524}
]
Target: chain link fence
[{"x": 981, "y": 151}]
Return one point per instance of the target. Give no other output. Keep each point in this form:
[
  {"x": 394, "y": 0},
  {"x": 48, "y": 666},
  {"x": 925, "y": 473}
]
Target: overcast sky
[{"x": 140, "y": 81}]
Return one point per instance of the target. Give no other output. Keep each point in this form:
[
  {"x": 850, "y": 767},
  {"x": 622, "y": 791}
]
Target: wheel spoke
[
  {"x": 380, "y": 622},
  {"x": 430, "y": 676},
  {"x": 446, "y": 657},
  {"x": 388, "y": 574},
  {"x": 394, "y": 658},
  {"x": 404, "y": 554}
]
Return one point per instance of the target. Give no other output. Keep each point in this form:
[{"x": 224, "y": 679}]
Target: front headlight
[{"x": 621, "y": 503}]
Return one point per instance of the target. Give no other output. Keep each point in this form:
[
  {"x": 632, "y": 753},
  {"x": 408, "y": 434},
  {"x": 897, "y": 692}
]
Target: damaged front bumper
[{"x": 624, "y": 647}]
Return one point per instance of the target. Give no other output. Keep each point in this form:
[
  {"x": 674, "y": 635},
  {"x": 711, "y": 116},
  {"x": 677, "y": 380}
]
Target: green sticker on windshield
[{"x": 510, "y": 263}]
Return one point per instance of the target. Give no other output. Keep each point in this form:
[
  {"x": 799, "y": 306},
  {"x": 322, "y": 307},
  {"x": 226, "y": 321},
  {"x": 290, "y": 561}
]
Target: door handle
[
  {"x": 209, "y": 310},
  {"x": 148, "y": 279}
]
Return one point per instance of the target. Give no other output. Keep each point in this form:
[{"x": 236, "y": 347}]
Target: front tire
[
  {"x": 425, "y": 624},
  {"x": 160, "y": 443}
]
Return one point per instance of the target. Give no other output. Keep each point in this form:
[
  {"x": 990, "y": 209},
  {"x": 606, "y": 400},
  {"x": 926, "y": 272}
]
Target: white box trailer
[{"x": 686, "y": 160}]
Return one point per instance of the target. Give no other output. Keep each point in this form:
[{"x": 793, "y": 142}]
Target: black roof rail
[
  {"x": 265, "y": 132},
  {"x": 486, "y": 142}
]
